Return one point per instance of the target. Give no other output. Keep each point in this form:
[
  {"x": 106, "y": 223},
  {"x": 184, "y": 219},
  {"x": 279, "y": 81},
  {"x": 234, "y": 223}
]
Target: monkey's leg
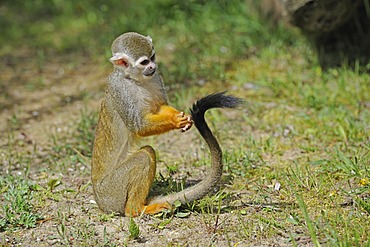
[
  {"x": 126, "y": 188},
  {"x": 141, "y": 178}
]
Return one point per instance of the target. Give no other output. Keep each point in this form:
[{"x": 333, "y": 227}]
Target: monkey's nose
[{"x": 153, "y": 66}]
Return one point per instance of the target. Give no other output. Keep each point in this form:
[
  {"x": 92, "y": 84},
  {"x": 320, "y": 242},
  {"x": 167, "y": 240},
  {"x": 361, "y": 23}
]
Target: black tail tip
[
  {"x": 227, "y": 101},
  {"x": 216, "y": 100}
]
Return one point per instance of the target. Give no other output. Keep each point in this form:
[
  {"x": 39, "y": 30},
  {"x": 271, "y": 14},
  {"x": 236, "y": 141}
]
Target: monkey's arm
[{"x": 166, "y": 119}]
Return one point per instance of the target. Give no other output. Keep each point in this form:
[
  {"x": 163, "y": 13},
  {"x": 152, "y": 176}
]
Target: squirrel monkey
[{"x": 135, "y": 105}]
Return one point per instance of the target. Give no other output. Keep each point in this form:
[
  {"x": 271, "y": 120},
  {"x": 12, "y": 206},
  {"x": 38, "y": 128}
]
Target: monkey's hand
[
  {"x": 184, "y": 121},
  {"x": 166, "y": 119}
]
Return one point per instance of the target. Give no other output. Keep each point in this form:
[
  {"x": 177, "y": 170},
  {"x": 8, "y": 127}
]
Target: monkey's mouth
[{"x": 149, "y": 73}]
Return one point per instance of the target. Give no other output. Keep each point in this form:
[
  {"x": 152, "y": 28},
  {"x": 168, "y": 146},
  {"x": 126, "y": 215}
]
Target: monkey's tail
[{"x": 216, "y": 100}]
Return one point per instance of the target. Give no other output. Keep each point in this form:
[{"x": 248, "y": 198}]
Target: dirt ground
[{"x": 30, "y": 115}]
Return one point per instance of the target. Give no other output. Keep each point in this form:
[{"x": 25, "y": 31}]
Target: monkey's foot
[{"x": 156, "y": 208}]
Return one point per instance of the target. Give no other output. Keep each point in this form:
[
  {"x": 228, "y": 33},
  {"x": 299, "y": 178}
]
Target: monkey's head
[{"x": 134, "y": 55}]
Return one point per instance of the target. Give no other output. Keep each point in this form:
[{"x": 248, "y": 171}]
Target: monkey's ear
[{"x": 120, "y": 59}]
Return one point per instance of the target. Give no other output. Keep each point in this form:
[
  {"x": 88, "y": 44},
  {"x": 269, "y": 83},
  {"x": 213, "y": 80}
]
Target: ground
[
  {"x": 31, "y": 121},
  {"x": 296, "y": 154},
  {"x": 34, "y": 118}
]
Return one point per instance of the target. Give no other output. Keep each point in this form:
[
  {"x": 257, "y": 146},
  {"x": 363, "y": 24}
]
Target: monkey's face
[
  {"x": 134, "y": 55},
  {"x": 141, "y": 69},
  {"x": 146, "y": 65}
]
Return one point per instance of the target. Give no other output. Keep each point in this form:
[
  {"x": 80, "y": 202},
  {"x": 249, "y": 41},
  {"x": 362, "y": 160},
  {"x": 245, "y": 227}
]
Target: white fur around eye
[{"x": 141, "y": 59}]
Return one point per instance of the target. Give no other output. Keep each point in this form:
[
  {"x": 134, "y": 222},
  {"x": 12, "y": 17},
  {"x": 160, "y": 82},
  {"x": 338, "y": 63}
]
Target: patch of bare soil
[{"x": 40, "y": 99}]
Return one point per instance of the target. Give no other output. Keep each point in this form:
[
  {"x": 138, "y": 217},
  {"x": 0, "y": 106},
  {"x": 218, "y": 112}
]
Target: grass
[
  {"x": 17, "y": 209},
  {"x": 296, "y": 155}
]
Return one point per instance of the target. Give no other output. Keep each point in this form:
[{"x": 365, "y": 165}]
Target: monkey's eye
[
  {"x": 144, "y": 62},
  {"x": 153, "y": 58}
]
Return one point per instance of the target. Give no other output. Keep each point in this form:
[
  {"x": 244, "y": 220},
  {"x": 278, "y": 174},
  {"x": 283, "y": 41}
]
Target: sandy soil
[{"x": 38, "y": 101}]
